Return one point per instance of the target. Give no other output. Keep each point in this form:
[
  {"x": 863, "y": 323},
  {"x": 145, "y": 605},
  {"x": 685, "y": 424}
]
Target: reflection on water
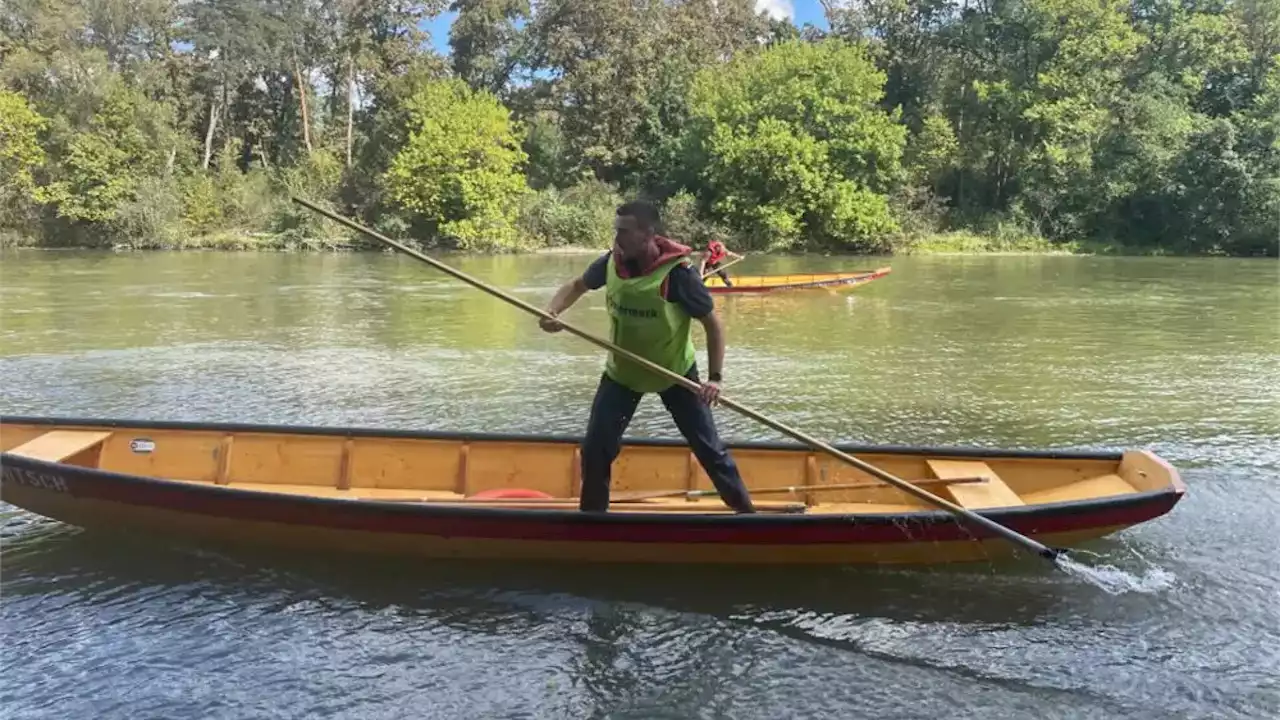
[{"x": 1013, "y": 352}]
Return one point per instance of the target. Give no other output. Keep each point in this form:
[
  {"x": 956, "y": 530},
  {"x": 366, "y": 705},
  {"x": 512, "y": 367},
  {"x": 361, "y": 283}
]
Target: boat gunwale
[
  {"x": 613, "y": 516},
  {"x": 356, "y": 431}
]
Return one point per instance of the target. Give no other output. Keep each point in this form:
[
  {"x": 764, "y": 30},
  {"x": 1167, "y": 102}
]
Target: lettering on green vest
[
  {"x": 628, "y": 311},
  {"x": 643, "y": 322}
]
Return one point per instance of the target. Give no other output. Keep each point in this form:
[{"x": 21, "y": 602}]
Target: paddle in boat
[
  {"x": 508, "y": 497},
  {"x": 801, "y": 281}
]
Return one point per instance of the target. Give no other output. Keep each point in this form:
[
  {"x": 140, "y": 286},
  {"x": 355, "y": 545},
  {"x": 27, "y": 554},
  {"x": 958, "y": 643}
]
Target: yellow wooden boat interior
[
  {"x": 798, "y": 279},
  {"x": 450, "y": 470}
]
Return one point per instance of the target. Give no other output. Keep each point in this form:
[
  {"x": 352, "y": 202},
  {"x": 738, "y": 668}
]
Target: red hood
[{"x": 666, "y": 250}]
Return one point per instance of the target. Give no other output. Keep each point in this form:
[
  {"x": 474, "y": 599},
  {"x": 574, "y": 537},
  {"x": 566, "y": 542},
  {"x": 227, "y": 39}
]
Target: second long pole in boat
[{"x": 1039, "y": 549}]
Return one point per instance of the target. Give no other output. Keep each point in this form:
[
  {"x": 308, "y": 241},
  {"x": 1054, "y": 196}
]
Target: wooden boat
[
  {"x": 469, "y": 495},
  {"x": 801, "y": 281}
]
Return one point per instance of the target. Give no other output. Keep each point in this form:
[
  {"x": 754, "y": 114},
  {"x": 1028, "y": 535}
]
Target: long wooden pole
[
  {"x": 974, "y": 518},
  {"x": 659, "y": 494},
  {"x": 709, "y": 273}
]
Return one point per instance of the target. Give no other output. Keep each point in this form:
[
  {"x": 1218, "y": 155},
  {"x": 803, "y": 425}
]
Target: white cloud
[{"x": 777, "y": 9}]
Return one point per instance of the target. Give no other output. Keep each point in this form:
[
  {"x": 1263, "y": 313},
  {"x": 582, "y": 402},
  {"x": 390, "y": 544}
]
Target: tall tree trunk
[
  {"x": 226, "y": 134},
  {"x": 961, "y": 156},
  {"x": 302, "y": 98},
  {"x": 208, "y": 136},
  {"x": 351, "y": 103}
]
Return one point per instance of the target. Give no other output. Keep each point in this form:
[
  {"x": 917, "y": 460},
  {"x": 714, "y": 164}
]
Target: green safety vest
[{"x": 643, "y": 322}]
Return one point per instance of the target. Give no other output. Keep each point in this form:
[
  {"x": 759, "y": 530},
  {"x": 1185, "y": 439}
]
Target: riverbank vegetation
[{"x": 904, "y": 126}]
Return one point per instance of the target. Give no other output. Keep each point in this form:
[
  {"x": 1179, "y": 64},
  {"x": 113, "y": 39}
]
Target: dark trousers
[{"x": 611, "y": 413}]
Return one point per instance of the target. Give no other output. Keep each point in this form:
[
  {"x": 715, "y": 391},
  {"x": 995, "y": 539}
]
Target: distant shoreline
[{"x": 952, "y": 244}]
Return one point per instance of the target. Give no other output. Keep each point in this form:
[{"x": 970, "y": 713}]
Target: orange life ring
[{"x": 500, "y": 493}]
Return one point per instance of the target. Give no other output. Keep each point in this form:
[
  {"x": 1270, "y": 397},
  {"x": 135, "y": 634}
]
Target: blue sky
[{"x": 800, "y": 12}]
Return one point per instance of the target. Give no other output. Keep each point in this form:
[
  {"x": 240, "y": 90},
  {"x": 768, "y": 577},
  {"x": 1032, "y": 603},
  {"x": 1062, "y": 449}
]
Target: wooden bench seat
[
  {"x": 59, "y": 445},
  {"x": 992, "y": 493}
]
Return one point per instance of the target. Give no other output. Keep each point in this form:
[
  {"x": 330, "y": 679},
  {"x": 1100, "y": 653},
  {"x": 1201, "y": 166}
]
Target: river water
[{"x": 1178, "y": 355}]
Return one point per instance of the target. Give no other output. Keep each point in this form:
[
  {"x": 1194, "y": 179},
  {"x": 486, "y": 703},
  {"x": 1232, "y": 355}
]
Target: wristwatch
[{"x": 714, "y": 377}]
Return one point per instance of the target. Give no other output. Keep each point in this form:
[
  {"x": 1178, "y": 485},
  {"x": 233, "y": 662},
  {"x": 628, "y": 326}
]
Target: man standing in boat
[
  {"x": 715, "y": 254},
  {"x": 652, "y": 293}
]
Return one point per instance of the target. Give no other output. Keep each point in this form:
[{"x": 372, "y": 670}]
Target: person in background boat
[
  {"x": 715, "y": 254},
  {"x": 652, "y": 294}
]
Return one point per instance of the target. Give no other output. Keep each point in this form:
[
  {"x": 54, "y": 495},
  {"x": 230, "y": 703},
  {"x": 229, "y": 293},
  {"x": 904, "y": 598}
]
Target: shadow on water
[{"x": 1009, "y": 594}]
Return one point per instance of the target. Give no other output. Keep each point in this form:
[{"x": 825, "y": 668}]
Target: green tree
[
  {"x": 619, "y": 72},
  {"x": 1220, "y": 200},
  {"x": 793, "y": 148},
  {"x": 485, "y": 41},
  {"x": 20, "y": 151},
  {"x": 931, "y": 152},
  {"x": 102, "y": 165},
  {"x": 460, "y": 169},
  {"x": 1087, "y": 48},
  {"x": 1148, "y": 122}
]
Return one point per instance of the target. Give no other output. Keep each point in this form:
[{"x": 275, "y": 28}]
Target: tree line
[{"x": 1148, "y": 124}]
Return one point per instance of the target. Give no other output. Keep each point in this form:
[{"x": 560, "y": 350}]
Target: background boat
[{"x": 796, "y": 281}]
